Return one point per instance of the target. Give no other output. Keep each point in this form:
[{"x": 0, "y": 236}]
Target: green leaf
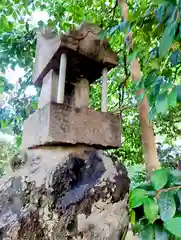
[
  {"x": 175, "y": 177},
  {"x": 155, "y": 64},
  {"x": 180, "y": 30},
  {"x": 18, "y": 140},
  {"x": 133, "y": 55},
  {"x": 179, "y": 6},
  {"x": 174, "y": 2},
  {"x": 167, "y": 39},
  {"x": 123, "y": 27},
  {"x": 160, "y": 13},
  {"x": 158, "y": 1},
  {"x": 172, "y": 98},
  {"x": 172, "y": 17},
  {"x": 137, "y": 197},
  {"x": 152, "y": 113},
  {"x": 148, "y": 81},
  {"x": 166, "y": 86},
  {"x": 133, "y": 218},
  {"x": 1, "y": 88},
  {"x": 147, "y": 233},
  {"x": 113, "y": 29},
  {"x": 159, "y": 178},
  {"x": 150, "y": 209},
  {"x": 174, "y": 226},
  {"x": 160, "y": 233},
  {"x": 161, "y": 104},
  {"x": 166, "y": 205},
  {"x": 179, "y": 195},
  {"x": 178, "y": 90},
  {"x": 174, "y": 58}
]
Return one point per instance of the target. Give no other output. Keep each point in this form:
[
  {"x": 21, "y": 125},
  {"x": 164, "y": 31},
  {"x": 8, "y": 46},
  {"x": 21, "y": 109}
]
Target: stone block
[{"x": 58, "y": 124}]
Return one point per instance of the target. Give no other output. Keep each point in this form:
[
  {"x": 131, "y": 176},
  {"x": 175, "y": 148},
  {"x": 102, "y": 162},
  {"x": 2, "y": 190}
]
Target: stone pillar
[
  {"x": 49, "y": 89},
  {"x": 82, "y": 93},
  {"x": 62, "y": 76},
  {"x": 104, "y": 90}
]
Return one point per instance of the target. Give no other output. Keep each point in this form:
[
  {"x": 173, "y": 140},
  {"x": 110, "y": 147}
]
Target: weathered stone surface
[
  {"x": 60, "y": 194},
  {"x": 59, "y": 123},
  {"x": 83, "y": 47},
  {"x": 76, "y": 94},
  {"x": 49, "y": 89}
]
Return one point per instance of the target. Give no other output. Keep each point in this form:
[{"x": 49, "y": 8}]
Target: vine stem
[{"x": 166, "y": 190}]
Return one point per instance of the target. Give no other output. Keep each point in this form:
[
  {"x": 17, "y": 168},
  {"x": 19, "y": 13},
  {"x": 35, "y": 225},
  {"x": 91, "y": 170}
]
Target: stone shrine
[
  {"x": 65, "y": 186},
  {"x": 64, "y": 68}
]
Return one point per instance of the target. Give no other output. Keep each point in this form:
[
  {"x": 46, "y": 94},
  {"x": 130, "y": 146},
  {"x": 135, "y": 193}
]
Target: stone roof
[{"x": 87, "y": 54}]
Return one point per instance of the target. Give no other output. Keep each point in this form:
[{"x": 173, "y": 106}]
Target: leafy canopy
[{"x": 156, "y": 31}]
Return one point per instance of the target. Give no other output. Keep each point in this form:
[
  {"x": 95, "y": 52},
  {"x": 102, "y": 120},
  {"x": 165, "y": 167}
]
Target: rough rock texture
[
  {"x": 63, "y": 124},
  {"x": 64, "y": 193}
]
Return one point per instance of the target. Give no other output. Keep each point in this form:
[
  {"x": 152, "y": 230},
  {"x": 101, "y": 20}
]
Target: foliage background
[{"x": 157, "y": 34}]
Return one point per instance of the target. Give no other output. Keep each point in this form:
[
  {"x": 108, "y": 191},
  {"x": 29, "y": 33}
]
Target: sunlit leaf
[
  {"x": 137, "y": 197},
  {"x": 167, "y": 38},
  {"x": 172, "y": 98},
  {"x": 150, "y": 209},
  {"x": 159, "y": 178},
  {"x": 161, "y": 104},
  {"x": 173, "y": 226},
  {"x": 133, "y": 218}
]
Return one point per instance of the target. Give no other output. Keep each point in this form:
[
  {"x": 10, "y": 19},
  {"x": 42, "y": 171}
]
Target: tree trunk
[{"x": 147, "y": 135}]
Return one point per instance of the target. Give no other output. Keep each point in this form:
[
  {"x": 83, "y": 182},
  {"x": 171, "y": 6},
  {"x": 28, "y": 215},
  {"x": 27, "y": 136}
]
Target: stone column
[
  {"x": 82, "y": 93},
  {"x": 62, "y": 76},
  {"x": 104, "y": 90},
  {"x": 49, "y": 89}
]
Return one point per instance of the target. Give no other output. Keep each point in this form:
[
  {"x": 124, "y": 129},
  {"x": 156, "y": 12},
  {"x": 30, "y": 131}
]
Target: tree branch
[{"x": 166, "y": 190}]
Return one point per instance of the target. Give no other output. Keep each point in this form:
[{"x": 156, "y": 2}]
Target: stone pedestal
[
  {"x": 65, "y": 193},
  {"x": 57, "y": 124}
]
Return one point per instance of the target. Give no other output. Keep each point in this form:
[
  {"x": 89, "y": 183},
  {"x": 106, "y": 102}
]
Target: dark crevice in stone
[
  {"x": 63, "y": 144},
  {"x": 30, "y": 226},
  {"x": 75, "y": 190},
  {"x": 73, "y": 180}
]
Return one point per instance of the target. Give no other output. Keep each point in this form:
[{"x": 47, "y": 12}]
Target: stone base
[
  {"x": 58, "y": 124},
  {"x": 58, "y": 194}
]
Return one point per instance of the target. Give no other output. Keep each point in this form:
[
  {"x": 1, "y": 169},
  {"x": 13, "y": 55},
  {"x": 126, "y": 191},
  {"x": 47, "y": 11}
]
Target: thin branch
[
  {"x": 166, "y": 190},
  {"x": 123, "y": 108},
  {"x": 127, "y": 75},
  {"x": 114, "y": 9}
]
